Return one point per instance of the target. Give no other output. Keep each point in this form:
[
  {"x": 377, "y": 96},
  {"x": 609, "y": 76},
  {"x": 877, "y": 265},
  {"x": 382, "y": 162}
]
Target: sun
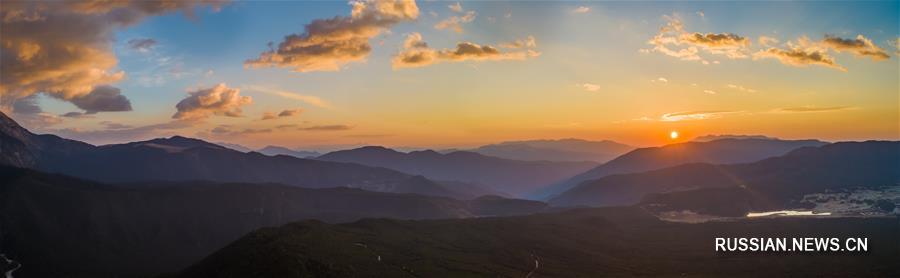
[{"x": 673, "y": 135}]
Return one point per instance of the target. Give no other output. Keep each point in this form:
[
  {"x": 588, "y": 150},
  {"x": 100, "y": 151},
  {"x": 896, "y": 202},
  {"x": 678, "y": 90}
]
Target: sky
[{"x": 442, "y": 74}]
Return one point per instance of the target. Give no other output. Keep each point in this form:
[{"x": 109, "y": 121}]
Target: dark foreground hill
[
  {"x": 766, "y": 184},
  {"x": 57, "y": 226},
  {"x": 607, "y": 242},
  {"x": 721, "y": 151},
  {"x": 185, "y": 159},
  {"x": 505, "y": 175}
]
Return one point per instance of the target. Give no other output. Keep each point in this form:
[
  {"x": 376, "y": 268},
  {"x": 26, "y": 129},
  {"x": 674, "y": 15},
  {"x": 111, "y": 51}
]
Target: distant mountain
[
  {"x": 58, "y": 226},
  {"x": 714, "y": 137},
  {"x": 769, "y": 184},
  {"x": 186, "y": 159},
  {"x": 556, "y": 150},
  {"x": 723, "y": 151},
  {"x": 607, "y": 242},
  {"x": 236, "y": 147},
  {"x": 276, "y": 150},
  {"x": 505, "y": 175}
]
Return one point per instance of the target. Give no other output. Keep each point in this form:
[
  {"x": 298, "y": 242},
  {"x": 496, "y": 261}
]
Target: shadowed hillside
[
  {"x": 617, "y": 242},
  {"x": 58, "y": 226}
]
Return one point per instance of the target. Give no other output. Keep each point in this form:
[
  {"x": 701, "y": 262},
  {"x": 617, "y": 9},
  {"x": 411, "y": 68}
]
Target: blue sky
[{"x": 473, "y": 102}]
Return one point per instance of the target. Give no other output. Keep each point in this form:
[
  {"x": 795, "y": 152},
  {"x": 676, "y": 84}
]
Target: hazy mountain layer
[
  {"x": 505, "y": 175},
  {"x": 724, "y": 151},
  {"x": 769, "y": 183},
  {"x": 556, "y": 150}
]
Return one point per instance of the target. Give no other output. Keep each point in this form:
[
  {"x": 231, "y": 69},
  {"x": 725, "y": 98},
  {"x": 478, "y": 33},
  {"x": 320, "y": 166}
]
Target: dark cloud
[
  {"x": 799, "y": 57},
  {"x": 283, "y": 113},
  {"x": 218, "y": 100},
  {"x": 27, "y": 105},
  {"x": 861, "y": 46},
  {"x": 290, "y": 112},
  {"x": 63, "y": 48},
  {"x": 103, "y": 99},
  {"x": 328, "y": 44},
  {"x": 416, "y": 53},
  {"x": 142, "y": 45}
]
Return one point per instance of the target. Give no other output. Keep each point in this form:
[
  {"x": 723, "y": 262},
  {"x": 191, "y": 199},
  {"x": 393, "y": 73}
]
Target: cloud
[
  {"x": 807, "y": 109},
  {"x": 861, "y": 46},
  {"x": 454, "y": 23},
  {"x": 229, "y": 130},
  {"x": 113, "y": 125},
  {"x": 417, "y": 53},
  {"x": 217, "y": 100},
  {"x": 27, "y": 105},
  {"x": 528, "y": 42},
  {"x": 326, "y": 128},
  {"x": 590, "y": 87},
  {"x": 805, "y": 52},
  {"x": 711, "y": 92},
  {"x": 329, "y": 44},
  {"x": 103, "y": 99},
  {"x": 673, "y": 40},
  {"x": 741, "y": 88},
  {"x": 64, "y": 48},
  {"x": 269, "y": 116},
  {"x": 141, "y": 45},
  {"x": 799, "y": 57},
  {"x": 662, "y": 80},
  {"x": 312, "y": 100},
  {"x": 694, "y": 115},
  {"x": 581, "y": 10},
  {"x": 77, "y": 115},
  {"x": 767, "y": 41},
  {"x": 290, "y": 112},
  {"x": 456, "y": 7},
  {"x": 283, "y": 113},
  {"x": 701, "y": 14}
]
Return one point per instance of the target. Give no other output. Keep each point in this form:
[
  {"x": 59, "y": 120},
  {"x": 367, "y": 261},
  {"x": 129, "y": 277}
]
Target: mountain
[
  {"x": 186, "y": 159},
  {"x": 275, "y": 150},
  {"x": 723, "y": 151},
  {"x": 556, "y": 150},
  {"x": 505, "y": 175},
  {"x": 58, "y": 226},
  {"x": 714, "y": 137},
  {"x": 607, "y": 242},
  {"x": 236, "y": 147},
  {"x": 770, "y": 183}
]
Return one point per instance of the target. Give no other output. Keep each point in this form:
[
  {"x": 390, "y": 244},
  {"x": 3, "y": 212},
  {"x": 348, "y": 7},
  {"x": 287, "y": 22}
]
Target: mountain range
[
  {"x": 185, "y": 159},
  {"x": 276, "y": 150},
  {"x": 556, "y": 150},
  {"x": 768, "y": 184},
  {"x": 505, "y": 175},
  {"x": 722, "y": 151}
]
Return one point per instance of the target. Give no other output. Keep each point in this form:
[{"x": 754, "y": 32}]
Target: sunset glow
[{"x": 439, "y": 76}]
